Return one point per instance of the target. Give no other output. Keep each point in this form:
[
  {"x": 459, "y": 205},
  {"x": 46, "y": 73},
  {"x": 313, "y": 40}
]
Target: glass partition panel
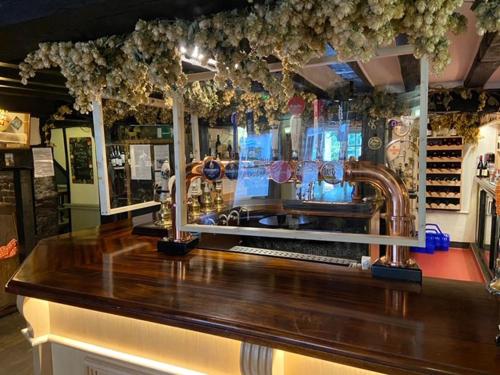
[
  {"x": 136, "y": 142},
  {"x": 346, "y": 166}
]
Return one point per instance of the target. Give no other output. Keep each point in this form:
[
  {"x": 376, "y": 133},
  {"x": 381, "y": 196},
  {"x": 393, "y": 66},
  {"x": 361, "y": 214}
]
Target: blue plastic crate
[{"x": 435, "y": 240}]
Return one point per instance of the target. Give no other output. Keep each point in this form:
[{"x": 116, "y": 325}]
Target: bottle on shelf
[
  {"x": 429, "y": 129},
  {"x": 479, "y": 168},
  {"x": 122, "y": 156},
  {"x": 217, "y": 145},
  {"x": 484, "y": 169},
  {"x": 112, "y": 157}
]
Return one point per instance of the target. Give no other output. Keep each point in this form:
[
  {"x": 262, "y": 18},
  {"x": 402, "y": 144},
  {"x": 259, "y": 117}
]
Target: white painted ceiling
[{"x": 463, "y": 49}]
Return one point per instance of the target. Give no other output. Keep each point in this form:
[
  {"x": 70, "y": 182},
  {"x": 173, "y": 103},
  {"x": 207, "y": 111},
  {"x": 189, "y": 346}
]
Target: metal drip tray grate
[{"x": 290, "y": 255}]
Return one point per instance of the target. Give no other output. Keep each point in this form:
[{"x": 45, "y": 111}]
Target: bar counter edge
[{"x": 311, "y": 309}]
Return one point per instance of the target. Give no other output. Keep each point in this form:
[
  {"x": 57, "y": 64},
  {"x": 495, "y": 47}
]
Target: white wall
[
  {"x": 461, "y": 226},
  {"x": 83, "y": 193},
  {"x": 57, "y": 139},
  {"x": 84, "y": 198}
]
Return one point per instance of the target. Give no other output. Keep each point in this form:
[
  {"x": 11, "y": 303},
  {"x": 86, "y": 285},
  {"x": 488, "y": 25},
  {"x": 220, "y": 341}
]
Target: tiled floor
[{"x": 457, "y": 264}]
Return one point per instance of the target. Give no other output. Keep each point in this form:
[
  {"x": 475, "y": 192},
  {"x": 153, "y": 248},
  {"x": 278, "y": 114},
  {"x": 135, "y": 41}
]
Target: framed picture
[
  {"x": 9, "y": 159},
  {"x": 14, "y": 129},
  {"x": 82, "y": 168}
]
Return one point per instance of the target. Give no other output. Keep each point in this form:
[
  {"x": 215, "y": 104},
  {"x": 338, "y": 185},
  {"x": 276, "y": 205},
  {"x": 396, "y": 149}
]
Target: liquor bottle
[
  {"x": 122, "y": 156},
  {"x": 112, "y": 157},
  {"x": 429, "y": 129},
  {"x": 217, "y": 145},
  {"x": 484, "y": 170},
  {"x": 479, "y": 168},
  {"x": 118, "y": 157}
]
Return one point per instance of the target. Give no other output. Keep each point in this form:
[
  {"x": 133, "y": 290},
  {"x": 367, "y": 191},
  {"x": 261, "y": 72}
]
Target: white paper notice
[
  {"x": 161, "y": 153},
  {"x": 43, "y": 162},
  {"x": 140, "y": 162}
]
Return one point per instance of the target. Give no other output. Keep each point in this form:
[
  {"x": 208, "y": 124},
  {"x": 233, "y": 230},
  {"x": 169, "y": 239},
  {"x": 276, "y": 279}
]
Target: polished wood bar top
[{"x": 320, "y": 310}]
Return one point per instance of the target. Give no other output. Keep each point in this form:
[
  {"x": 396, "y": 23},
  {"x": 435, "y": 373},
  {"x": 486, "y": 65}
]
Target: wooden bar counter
[{"x": 104, "y": 301}]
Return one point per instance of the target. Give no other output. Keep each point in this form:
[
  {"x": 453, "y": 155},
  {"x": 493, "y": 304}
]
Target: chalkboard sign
[{"x": 82, "y": 170}]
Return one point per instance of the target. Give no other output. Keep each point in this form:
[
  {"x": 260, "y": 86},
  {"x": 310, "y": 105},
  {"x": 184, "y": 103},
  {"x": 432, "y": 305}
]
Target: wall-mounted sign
[
  {"x": 400, "y": 128},
  {"x": 161, "y": 154},
  {"x": 43, "y": 163},
  {"x": 82, "y": 169},
  {"x": 8, "y": 159},
  {"x": 374, "y": 143},
  {"x": 140, "y": 162},
  {"x": 14, "y": 128}
]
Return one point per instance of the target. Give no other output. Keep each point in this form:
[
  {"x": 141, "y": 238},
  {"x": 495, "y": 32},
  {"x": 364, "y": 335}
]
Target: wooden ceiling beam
[
  {"x": 409, "y": 65},
  {"x": 485, "y": 63},
  {"x": 356, "y": 68}
]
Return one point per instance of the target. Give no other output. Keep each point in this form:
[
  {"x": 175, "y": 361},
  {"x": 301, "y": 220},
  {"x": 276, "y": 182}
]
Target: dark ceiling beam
[
  {"x": 485, "y": 63},
  {"x": 409, "y": 65},
  {"x": 43, "y": 77},
  {"x": 82, "y": 20},
  {"x": 31, "y": 83},
  {"x": 35, "y": 106},
  {"x": 32, "y": 90}
]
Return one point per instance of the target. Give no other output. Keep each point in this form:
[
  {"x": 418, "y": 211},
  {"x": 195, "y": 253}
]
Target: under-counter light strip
[{"x": 108, "y": 353}]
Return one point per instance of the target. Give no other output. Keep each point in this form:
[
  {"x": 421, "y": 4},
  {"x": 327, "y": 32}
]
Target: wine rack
[{"x": 444, "y": 169}]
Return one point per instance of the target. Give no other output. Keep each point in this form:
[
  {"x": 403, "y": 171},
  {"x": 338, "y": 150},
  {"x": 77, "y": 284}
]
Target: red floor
[{"x": 456, "y": 264}]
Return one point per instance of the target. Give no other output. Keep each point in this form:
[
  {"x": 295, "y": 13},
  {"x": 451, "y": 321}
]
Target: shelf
[
  {"x": 444, "y": 137},
  {"x": 445, "y": 148},
  {"x": 443, "y": 171},
  {"x": 442, "y": 183},
  {"x": 447, "y": 196},
  {"x": 444, "y": 160},
  {"x": 448, "y": 208}
]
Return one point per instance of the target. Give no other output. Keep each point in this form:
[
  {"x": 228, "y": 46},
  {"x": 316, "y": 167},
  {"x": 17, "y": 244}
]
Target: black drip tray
[
  {"x": 361, "y": 207},
  {"x": 290, "y": 255}
]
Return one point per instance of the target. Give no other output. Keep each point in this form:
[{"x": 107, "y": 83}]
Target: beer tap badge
[
  {"x": 280, "y": 171},
  {"x": 212, "y": 169}
]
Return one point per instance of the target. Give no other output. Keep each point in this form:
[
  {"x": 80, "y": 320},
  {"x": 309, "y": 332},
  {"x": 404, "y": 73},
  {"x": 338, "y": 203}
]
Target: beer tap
[
  {"x": 206, "y": 200},
  {"x": 165, "y": 219}
]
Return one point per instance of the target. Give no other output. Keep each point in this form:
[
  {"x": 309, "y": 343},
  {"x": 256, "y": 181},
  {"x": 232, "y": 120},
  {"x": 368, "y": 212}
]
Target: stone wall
[
  {"x": 7, "y": 190},
  {"x": 46, "y": 213}
]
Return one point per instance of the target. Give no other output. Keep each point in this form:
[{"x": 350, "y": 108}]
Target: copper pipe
[{"x": 398, "y": 216}]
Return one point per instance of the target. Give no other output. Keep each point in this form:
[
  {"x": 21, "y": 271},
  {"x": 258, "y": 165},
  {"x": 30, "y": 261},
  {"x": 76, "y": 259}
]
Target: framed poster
[
  {"x": 14, "y": 129},
  {"x": 82, "y": 169}
]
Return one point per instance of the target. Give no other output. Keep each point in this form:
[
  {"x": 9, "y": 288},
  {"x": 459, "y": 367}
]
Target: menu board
[
  {"x": 82, "y": 169},
  {"x": 43, "y": 163}
]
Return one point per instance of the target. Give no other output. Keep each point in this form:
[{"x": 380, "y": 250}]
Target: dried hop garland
[{"x": 131, "y": 67}]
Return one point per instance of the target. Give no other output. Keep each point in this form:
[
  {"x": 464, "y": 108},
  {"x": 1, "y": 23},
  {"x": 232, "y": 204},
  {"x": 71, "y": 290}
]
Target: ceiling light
[{"x": 195, "y": 53}]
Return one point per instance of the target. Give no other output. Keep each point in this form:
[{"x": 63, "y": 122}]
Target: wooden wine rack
[{"x": 436, "y": 199}]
